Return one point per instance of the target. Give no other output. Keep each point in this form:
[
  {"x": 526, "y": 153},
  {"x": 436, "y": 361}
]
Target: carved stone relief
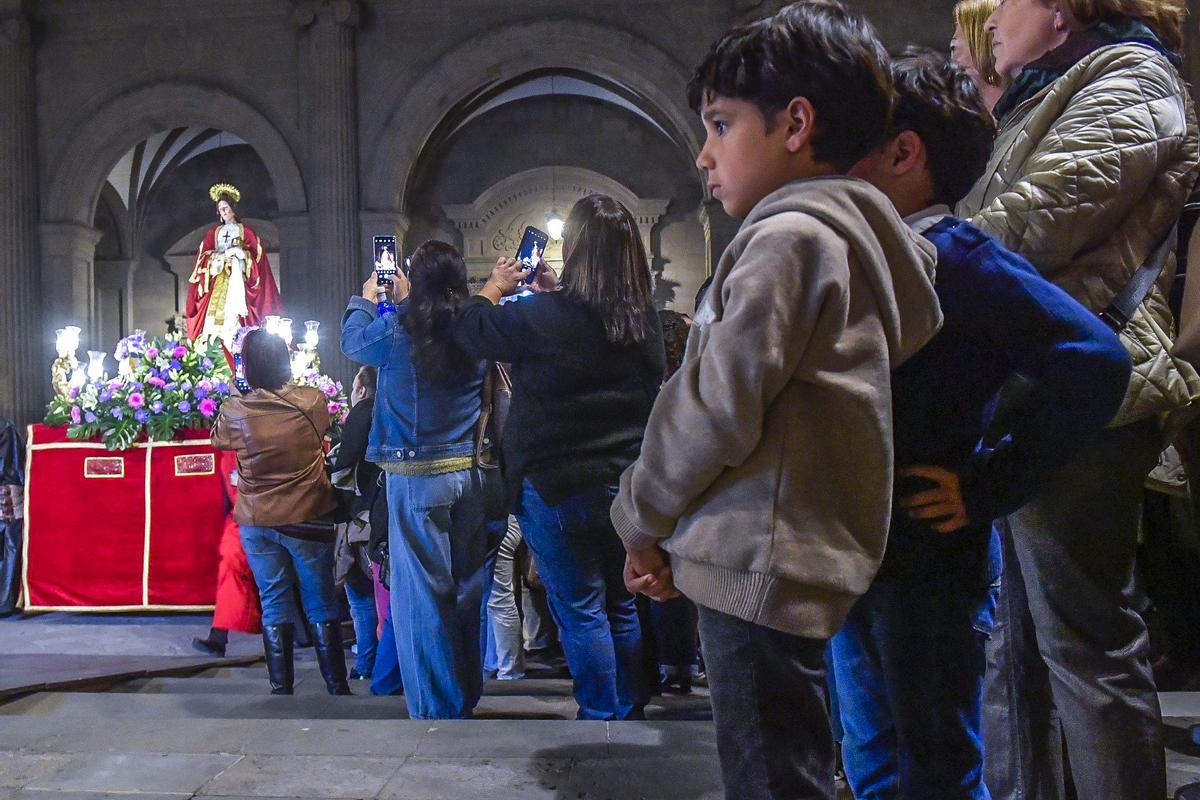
[{"x": 493, "y": 224}]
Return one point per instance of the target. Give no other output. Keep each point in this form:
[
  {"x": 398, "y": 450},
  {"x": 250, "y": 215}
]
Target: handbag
[{"x": 496, "y": 400}]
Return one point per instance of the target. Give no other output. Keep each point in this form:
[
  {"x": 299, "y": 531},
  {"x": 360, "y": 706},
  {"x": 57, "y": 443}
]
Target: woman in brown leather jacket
[{"x": 278, "y": 432}]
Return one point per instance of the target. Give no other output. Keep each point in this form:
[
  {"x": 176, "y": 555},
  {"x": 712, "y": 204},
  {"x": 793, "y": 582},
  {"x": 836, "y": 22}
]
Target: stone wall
[{"x": 358, "y": 119}]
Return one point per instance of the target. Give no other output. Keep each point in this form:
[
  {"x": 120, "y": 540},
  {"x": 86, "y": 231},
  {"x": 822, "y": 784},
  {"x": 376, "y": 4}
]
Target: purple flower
[
  {"x": 117, "y": 413},
  {"x": 142, "y": 416},
  {"x": 156, "y": 406},
  {"x": 206, "y": 364},
  {"x": 156, "y": 381},
  {"x": 136, "y": 400},
  {"x": 89, "y": 417},
  {"x": 206, "y": 385},
  {"x": 333, "y": 409},
  {"x": 200, "y": 394},
  {"x": 152, "y": 352},
  {"x": 175, "y": 365},
  {"x": 170, "y": 386},
  {"x": 331, "y": 390},
  {"x": 105, "y": 396},
  {"x": 135, "y": 385},
  {"x": 208, "y": 407},
  {"x": 222, "y": 387},
  {"x": 184, "y": 407},
  {"x": 76, "y": 414},
  {"x": 73, "y": 393},
  {"x": 186, "y": 386},
  {"x": 180, "y": 351}
]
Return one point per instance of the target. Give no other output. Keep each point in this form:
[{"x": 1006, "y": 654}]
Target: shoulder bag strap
[
  {"x": 1118, "y": 313},
  {"x": 303, "y": 413}
]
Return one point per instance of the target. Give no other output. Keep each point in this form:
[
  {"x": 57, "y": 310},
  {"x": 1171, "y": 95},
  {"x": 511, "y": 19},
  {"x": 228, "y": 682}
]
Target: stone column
[
  {"x": 24, "y": 370},
  {"x": 719, "y": 230},
  {"x": 334, "y": 257},
  {"x": 69, "y": 279}
]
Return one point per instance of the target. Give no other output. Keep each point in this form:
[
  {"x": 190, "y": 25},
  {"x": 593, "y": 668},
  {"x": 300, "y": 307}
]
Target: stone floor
[{"x": 167, "y": 724}]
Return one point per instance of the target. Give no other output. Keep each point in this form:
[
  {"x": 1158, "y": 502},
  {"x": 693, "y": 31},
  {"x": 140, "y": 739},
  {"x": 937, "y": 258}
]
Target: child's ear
[
  {"x": 801, "y": 122},
  {"x": 906, "y": 153}
]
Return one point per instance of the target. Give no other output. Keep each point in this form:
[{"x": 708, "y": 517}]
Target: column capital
[
  {"x": 347, "y": 13},
  {"x": 71, "y": 239}
]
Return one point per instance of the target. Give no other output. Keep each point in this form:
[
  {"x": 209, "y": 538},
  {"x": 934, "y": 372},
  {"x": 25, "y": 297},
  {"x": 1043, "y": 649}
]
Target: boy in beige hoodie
[{"x": 766, "y": 468}]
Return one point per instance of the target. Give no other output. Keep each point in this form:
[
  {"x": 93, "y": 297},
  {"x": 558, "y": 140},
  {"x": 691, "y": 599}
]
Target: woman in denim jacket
[{"x": 423, "y": 436}]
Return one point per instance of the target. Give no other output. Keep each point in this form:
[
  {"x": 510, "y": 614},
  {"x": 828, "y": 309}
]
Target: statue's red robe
[{"x": 262, "y": 295}]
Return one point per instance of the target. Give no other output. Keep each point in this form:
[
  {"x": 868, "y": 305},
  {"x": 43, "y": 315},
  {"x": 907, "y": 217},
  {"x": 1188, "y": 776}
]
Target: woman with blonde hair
[
  {"x": 971, "y": 47},
  {"x": 1096, "y": 152}
]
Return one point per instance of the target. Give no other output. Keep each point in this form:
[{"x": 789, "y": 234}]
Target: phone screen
[
  {"x": 385, "y": 259},
  {"x": 532, "y": 250}
]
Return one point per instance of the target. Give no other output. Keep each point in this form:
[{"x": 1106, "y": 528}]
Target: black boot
[
  {"x": 327, "y": 640},
  {"x": 277, "y": 644},
  {"x": 214, "y": 643}
]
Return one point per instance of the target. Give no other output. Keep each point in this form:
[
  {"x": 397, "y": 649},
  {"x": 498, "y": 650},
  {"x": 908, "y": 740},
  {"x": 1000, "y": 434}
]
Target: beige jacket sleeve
[
  {"x": 1095, "y": 163},
  {"x": 709, "y": 415}
]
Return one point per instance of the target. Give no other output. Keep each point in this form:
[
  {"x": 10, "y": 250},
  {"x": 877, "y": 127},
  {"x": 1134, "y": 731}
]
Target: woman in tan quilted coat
[{"x": 1097, "y": 150}]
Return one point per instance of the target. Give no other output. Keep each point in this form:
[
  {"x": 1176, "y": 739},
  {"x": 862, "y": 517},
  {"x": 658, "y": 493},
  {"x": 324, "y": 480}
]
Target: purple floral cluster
[{"x": 175, "y": 384}]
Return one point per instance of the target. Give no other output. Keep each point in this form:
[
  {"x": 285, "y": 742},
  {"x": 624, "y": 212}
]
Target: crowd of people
[{"x": 889, "y": 476}]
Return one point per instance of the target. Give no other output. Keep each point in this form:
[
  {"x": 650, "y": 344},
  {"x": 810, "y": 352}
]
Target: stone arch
[
  {"x": 503, "y": 55},
  {"x": 492, "y": 224},
  {"x": 81, "y": 165}
]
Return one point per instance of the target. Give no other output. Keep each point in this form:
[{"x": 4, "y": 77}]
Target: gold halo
[{"x": 227, "y": 189}]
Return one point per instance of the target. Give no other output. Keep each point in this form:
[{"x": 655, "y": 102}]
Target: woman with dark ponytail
[
  {"x": 587, "y": 361},
  {"x": 423, "y": 436}
]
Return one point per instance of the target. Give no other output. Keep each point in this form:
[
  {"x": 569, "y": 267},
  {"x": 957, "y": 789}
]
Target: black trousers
[{"x": 770, "y": 706}]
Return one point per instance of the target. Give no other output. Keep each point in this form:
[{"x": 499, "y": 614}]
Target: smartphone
[
  {"x": 385, "y": 259},
  {"x": 532, "y": 250}
]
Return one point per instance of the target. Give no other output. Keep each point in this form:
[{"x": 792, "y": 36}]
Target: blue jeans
[
  {"x": 281, "y": 564},
  {"x": 581, "y": 561},
  {"x": 362, "y": 611},
  {"x": 438, "y": 547},
  {"x": 769, "y": 706},
  {"x": 385, "y": 672},
  {"x": 908, "y": 670}
]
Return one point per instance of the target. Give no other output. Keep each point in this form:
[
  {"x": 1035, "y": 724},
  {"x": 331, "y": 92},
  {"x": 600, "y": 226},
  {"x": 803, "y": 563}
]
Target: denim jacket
[{"x": 414, "y": 420}]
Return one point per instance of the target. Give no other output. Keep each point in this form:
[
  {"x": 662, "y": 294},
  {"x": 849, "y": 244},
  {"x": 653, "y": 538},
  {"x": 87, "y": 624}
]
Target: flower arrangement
[
  {"x": 335, "y": 396},
  {"x": 173, "y": 384}
]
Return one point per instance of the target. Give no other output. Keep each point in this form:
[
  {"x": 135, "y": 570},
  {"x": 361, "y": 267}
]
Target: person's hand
[
  {"x": 944, "y": 502},
  {"x": 546, "y": 280},
  {"x": 648, "y": 572},
  {"x": 507, "y": 276},
  {"x": 372, "y": 291}
]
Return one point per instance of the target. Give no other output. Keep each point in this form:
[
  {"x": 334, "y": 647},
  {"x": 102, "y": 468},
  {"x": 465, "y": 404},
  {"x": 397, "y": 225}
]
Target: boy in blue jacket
[{"x": 909, "y": 661}]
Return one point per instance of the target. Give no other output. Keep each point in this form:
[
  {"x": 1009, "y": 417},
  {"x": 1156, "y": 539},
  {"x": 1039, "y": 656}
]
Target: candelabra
[{"x": 65, "y": 372}]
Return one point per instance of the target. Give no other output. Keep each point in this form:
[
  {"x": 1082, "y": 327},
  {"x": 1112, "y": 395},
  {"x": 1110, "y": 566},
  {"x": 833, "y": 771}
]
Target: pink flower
[
  {"x": 334, "y": 408},
  {"x": 152, "y": 352},
  {"x": 77, "y": 414},
  {"x": 154, "y": 381},
  {"x": 136, "y": 400},
  {"x": 331, "y": 390},
  {"x": 206, "y": 385},
  {"x": 208, "y": 407},
  {"x": 179, "y": 352}
]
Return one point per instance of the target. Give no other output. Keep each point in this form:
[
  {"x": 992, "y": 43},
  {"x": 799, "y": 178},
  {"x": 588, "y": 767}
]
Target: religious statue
[{"x": 231, "y": 283}]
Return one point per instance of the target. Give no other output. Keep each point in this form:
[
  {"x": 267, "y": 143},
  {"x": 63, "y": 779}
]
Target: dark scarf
[{"x": 1052, "y": 66}]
